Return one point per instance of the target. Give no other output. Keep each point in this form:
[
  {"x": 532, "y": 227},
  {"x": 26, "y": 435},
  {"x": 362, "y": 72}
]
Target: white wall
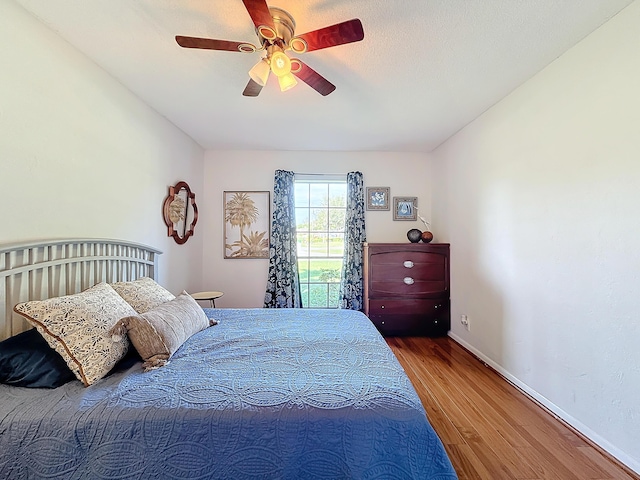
[
  {"x": 80, "y": 156},
  {"x": 244, "y": 280},
  {"x": 540, "y": 198}
]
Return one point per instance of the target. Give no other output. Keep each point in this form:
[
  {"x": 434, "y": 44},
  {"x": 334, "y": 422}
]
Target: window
[{"x": 320, "y": 212}]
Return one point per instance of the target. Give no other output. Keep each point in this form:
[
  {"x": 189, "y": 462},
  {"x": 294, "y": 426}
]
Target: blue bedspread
[{"x": 282, "y": 394}]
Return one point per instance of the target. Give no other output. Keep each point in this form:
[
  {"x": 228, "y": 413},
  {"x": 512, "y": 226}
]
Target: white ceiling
[{"x": 424, "y": 70}]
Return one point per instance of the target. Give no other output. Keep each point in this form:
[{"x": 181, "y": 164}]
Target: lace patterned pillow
[
  {"x": 143, "y": 294},
  {"x": 77, "y": 327}
]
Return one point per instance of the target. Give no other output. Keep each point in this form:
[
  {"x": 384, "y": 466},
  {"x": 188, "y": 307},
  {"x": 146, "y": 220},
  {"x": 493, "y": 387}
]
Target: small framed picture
[
  {"x": 377, "y": 198},
  {"x": 404, "y": 208}
]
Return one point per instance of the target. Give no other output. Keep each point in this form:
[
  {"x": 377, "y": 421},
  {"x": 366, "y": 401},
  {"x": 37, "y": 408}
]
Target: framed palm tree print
[{"x": 247, "y": 217}]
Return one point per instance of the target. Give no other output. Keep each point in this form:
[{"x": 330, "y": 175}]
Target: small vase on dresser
[{"x": 406, "y": 288}]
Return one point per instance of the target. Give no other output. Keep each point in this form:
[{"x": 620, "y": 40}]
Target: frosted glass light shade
[
  {"x": 287, "y": 82},
  {"x": 280, "y": 64},
  {"x": 259, "y": 73}
]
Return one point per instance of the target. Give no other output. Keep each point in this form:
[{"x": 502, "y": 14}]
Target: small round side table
[{"x": 211, "y": 296}]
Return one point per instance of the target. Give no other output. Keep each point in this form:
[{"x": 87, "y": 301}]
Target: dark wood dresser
[{"x": 406, "y": 288}]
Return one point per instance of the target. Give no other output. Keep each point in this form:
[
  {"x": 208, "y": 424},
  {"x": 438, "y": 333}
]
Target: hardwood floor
[{"x": 490, "y": 429}]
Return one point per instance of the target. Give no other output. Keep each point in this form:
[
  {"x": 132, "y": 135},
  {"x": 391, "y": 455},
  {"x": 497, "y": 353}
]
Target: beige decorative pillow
[
  {"x": 77, "y": 327},
  {"x": 158, "y": 333},
  {"x": 143, "y": 294}
]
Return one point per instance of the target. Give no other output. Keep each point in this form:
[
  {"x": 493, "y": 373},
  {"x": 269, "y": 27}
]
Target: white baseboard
[{"x": 619, "y": 455}]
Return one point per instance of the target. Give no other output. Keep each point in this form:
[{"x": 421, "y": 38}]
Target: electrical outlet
[{"x": 464, "y": 320}]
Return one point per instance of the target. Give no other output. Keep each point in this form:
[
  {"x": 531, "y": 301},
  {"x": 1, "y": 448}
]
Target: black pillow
[
  {"x": 26, "y": 360},
  {"x": 129, "y": 360}
]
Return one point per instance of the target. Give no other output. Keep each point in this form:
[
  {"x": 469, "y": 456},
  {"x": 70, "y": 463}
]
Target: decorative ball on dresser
[
  {"x": 426, "y": 236},
  {"x": 414, "y": 235}
]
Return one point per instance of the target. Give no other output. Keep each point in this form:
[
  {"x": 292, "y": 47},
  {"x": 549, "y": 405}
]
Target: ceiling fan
[{"x": 276, "y": 34}]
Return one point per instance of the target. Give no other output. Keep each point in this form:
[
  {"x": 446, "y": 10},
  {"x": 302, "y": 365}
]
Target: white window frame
[{"x": 324, "y": 179}]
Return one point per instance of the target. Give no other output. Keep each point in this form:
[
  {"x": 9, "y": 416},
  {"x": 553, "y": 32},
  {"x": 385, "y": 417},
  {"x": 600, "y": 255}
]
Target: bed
[{"x": 257, "y": 394}]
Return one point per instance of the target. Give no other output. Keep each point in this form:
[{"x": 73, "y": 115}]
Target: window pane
[
  {"x": 318, "y": 296},
  {"x": 334, "y": 295},
  {"x": 325, "y": 270},
  {"x": 302, "y": 219},
  {"x": 319, "y": 193},
  {"x": 337, "y": 194},
  {"x": 336, "y": 245},
  {"x": 304, "y": 292},
  {"x": 301, "y": 192},
  {"x": 336, "y": 219},
  {"x": 303, "y": 244},
  {"x": 319, "y": 219},
  {"x": 319, "y": 245},
  {"x": 303, "y": 270}
]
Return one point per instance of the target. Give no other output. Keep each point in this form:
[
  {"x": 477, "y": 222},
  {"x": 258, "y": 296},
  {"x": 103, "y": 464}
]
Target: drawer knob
[
  {"x": 382, "y": 306},
  {"x": 408, "y": 264},
  {"x": 408, "y": 280}
]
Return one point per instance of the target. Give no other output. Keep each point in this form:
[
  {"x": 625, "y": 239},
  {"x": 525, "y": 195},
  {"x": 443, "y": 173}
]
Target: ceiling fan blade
[
  {"x": 252, "y": 89},
  {"x": 312, "y": 78},
  {"x": 338, "y": 34},
  {"x": 259, "y": 12},
  {"x": 210, "y": 44}
]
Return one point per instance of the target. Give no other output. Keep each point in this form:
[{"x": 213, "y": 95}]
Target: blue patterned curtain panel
[
  {"x": 283, "y": 283},
  {"x": 352, "y": 284}
]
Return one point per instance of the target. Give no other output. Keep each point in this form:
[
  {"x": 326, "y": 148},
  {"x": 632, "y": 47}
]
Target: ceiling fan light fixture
[
  {"x": 287, "y": 82},
  {"x": 280, "y": 63},
  {"x": 259, "y": 73},
  {"x": 276, "y": 31}
]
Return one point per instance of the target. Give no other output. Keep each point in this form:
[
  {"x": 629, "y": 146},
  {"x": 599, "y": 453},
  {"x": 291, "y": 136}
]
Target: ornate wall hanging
[{"x": 180, "y": 212}]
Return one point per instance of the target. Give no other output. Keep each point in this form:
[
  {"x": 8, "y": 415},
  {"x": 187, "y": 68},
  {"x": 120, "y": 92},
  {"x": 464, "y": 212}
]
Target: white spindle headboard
[{"x": 52, "y": 268}]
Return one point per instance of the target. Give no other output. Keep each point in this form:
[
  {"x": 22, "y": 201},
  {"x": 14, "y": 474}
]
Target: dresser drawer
[
  {"x": 411, "y": 273},
  {"x": 410, "y": 317},
  {"x": 407, "y": 306},
  {"x": 407, "y": 287},
  {"x": 430, "y": 271},
  {"x": 420, "y": 259}
]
